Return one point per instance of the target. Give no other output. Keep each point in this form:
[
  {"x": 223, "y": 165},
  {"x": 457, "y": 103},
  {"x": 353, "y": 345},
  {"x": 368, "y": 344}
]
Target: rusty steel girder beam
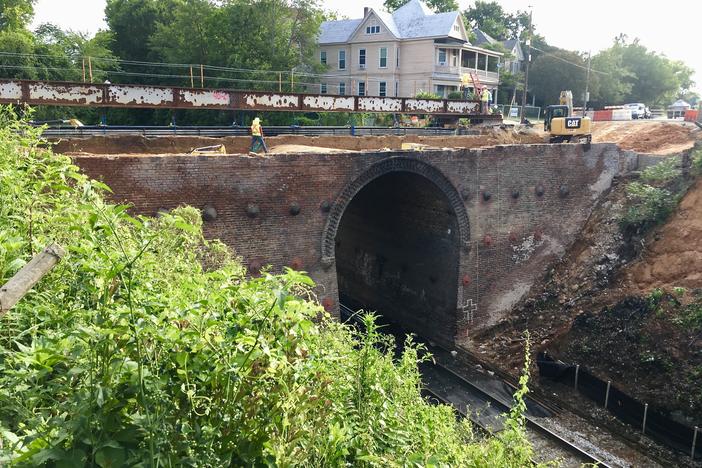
[{"x": 54, "y": 93}]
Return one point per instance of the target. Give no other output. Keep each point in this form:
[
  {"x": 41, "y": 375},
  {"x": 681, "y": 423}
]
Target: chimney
[{"x": 365, "y": 11}]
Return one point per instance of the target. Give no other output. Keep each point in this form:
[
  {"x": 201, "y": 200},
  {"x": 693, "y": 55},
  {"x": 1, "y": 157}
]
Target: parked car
[{"x": 638, "y": 110}]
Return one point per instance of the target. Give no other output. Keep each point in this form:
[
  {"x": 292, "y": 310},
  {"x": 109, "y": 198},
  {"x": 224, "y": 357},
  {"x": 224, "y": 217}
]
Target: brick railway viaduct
[{"x": 442, "y": 241}]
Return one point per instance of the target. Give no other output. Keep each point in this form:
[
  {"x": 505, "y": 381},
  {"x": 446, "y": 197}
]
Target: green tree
[
  {"x": 438, "y": 6},
  {"x": 556, "y": 71},
  {"x": 132, "y": 22},
  {"x": 15, "y": 14},
  {"x": 631, "y": 72},
  {"x": 492, "y": 19}
]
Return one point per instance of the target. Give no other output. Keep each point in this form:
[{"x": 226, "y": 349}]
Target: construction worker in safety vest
[
  {"x": 257, "y": 137},
  {"x": 485, "y": 98}
]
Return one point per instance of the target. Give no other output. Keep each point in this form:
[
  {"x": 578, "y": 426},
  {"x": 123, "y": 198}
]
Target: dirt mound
[
  {"x": 674, "y": 257},
  {"x": 136, "y": 144},
  {"x": 647, "y": 136},
  {"x": 307, "y": 149}
]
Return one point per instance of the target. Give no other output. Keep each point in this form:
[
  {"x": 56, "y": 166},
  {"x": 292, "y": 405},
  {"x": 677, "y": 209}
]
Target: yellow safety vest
[{"x": 256, "y": 130}]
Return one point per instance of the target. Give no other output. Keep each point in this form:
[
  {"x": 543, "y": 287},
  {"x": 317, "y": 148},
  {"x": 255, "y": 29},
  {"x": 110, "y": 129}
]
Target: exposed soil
[
  {"x": 651, "y": 137},
  {"x": 135, "y": 144},
  {"x": 306, "y": 149},
  {"x": 612, "y": 306}
]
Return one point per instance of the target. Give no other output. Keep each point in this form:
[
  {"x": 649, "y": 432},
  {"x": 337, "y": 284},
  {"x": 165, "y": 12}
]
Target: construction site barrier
[
  {"x": 649, "y": 420},
  {"x": 621, "y": 114},
  {"x": 602, "y": 115},
  {"x": 691, "y": 115}
]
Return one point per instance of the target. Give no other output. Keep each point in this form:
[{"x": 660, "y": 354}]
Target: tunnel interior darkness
[{"x": 397, "y": 253}]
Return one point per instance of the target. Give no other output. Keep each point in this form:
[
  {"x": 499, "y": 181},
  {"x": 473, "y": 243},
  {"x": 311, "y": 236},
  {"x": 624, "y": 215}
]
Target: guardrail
[{"x": 164, "y": 131}]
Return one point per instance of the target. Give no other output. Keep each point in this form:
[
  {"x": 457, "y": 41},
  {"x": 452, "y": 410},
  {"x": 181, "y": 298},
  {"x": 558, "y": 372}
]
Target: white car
[{"x": 638, "y": 110}]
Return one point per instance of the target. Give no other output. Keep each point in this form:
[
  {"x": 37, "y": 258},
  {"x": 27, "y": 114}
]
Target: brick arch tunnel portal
[{"x": 397, "y": 249}]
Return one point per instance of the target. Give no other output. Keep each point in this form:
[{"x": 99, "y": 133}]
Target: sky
[{"x": 670, "y": 28}]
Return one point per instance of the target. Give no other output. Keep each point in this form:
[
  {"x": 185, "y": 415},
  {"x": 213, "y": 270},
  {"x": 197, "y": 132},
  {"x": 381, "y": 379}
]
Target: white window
[
  {"x": 361, "y": 88},
  {"x": 342, "y": 88},
  {"x": 323, "y": 88},
  {"x": 362, "y": 58},
  {"x": 323, "y": 57},
  {"x": 374, "y": 29},
  {"x": 342, "y": 59},
  {"x": 383, "y": 57},
  {"x": 442, "y": 56},
  {"x": 382, "y": 89}
]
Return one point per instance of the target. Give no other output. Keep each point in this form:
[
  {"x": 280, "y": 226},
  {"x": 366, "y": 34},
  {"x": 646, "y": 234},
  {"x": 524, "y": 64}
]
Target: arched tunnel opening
[{"x": 397, "y": 253}]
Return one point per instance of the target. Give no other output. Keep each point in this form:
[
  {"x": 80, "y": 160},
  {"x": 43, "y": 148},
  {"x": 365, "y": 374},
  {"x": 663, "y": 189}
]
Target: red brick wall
[{"x": 512, "y": 240}]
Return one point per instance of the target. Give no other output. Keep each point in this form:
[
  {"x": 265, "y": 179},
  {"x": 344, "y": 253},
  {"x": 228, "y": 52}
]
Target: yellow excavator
[{"x": 563, "y": 126}]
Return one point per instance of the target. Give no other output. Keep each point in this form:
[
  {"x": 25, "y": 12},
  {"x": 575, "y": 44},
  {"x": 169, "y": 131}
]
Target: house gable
[{"x": 375, "y": 27}]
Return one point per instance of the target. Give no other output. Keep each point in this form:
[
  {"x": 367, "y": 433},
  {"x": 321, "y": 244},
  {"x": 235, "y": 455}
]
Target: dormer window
[{"x": 374, "y": 29}]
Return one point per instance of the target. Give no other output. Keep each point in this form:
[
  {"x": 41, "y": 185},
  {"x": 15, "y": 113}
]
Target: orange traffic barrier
[{"x": 601, "y": 115}]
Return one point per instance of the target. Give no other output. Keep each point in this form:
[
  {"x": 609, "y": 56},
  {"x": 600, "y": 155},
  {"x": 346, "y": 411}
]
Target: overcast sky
[{"x": 670, "y": 28}]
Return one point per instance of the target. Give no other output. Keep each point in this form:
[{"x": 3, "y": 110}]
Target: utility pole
[
  {"x": 526, "y": 71},
  {"x": 586, "y": 97}
]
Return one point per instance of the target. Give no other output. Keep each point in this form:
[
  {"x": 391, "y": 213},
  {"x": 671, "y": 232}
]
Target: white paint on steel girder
[
  {"x": 328, "y": 103},
  {"x": 423, "y": 105},
  {"x": 379, "y": 104},
  {"x": 140, "y": 95},
  {"x": 197, "y": 98},
  {"x": 11, "y": 91},
  {"x": 272, "y": 101},
  {"x": 64, "y": 94},
  {"x": 462, "y": 107}
]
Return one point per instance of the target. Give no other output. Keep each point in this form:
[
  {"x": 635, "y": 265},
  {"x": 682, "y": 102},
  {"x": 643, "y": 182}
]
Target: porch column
[
  {"x": 476, "y": 61},
  {"x": 487, "y": 57}
]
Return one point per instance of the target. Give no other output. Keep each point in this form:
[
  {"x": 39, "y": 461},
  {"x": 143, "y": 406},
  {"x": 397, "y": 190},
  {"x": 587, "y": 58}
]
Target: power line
[{"x": 568, "y": 61}]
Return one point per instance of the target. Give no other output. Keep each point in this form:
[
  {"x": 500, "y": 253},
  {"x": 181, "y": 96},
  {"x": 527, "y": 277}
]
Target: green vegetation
[
  {"x": 148, "y": 346},
  {"x": 648, "y": 205},
  {"x": 664, "y": 171},
  {"x": 426, "y": 95}
]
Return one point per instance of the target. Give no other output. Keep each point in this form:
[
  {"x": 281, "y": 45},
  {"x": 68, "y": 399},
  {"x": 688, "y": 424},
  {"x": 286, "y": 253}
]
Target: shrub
[
  {"x": 648, "y": 205},
  {"x": 427, "y": 95},
  {"x": 664, "y": 171}
]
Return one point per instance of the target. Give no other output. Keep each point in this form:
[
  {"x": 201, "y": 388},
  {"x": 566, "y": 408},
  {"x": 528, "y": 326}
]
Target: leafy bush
[
  {"x": 427, "y": 95},
  {"x": 696, "y": 158},
  {"x": 664, "y": 171},
  {"x": 131, "y": 353},
  {"x": 455, "y": 95},
  {"x": 648, "y": 205}
]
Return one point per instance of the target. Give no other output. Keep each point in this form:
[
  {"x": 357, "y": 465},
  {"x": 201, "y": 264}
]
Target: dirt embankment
[
  {"x": 614, "y": 304},
  {"x": 134, "y": 144},
  {"x": 651, "y": 137}
]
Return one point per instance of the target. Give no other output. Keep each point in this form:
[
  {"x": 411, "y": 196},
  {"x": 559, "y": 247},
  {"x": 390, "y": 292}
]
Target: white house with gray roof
[{"x": 401, "y": 54}]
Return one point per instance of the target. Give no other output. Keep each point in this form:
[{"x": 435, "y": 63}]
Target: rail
[
  {"x": 58, "y": 93},
  {"x": 464, "y": 394},
  {"x": 165, "y": 131}
]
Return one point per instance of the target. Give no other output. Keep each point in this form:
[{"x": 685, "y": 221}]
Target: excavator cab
[{"x": 554, "y": 112}]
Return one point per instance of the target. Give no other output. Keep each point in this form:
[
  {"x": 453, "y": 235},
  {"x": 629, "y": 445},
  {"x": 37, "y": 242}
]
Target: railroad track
[{"x": 487, "y": 409}]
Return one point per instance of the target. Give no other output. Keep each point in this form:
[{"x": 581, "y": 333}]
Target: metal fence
[
  {"x": 164, "y": 131},
  {"x": 649, "y": 420},
  {"x": 514, "y": 112}
]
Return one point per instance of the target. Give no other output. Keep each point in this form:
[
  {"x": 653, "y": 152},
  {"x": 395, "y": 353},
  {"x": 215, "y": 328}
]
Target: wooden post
[
  {"x": 83, "y": 69},
  {"x": 192, "y": 80},
  {"x": 202, "y": 76},
  {"x": 28, "y": 276},
  {"x": 280, "y": 82},
  {"x": 292, "y": 81},
  {"x": 90, "y": 68}
]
